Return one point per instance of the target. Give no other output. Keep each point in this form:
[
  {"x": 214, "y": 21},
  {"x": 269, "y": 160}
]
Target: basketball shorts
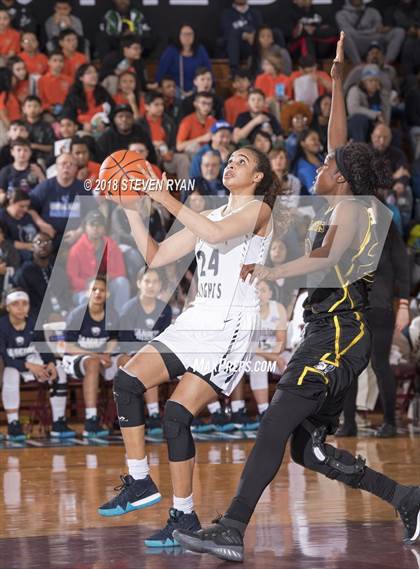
[
  {"x": 74, "y": 365},
  {"x": 333, "y": 353},
  {"x": 206, "y": 342}
]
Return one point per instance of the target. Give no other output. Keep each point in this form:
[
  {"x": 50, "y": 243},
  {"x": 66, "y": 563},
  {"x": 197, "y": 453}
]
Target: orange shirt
[
  {"x": 234, "y": 106},
  {"x": 190, "y": 127},
  {"x": 53, "y": 89},
  {"x": 11, "y": 106},
  {"x": 267, "y": 83},
  {"x": 72, "y": 64},
  {"x": 21, "y": 90},
  {"x": 296, "y": 74},
  {"x": 157, "y": 131},
  {"x": 121, "y": 99},
  {"x": 37, "y": 64},
  {"x": 93, "y": 108},
  {"x": 9, "y": 42}
]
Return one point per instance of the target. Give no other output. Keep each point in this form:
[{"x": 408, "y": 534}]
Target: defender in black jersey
[
  {"x": 334, "y": 351},
  {"x": 91, "y": 339}
]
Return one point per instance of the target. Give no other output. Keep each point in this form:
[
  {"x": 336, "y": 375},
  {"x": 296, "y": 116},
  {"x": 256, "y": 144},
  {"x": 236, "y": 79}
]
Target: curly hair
[{"x": 364, "y": 168}]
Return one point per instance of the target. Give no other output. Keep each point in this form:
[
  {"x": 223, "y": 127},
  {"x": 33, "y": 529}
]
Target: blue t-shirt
[
  {"x": 23, "y": 229},
  {"x": 90, "y": 334},
  {"x": 169, "y": 65},
  {"x": 57, "y": 204},
  {"x": 16, "y": 345},
  {"x": 139, "y": 326}
]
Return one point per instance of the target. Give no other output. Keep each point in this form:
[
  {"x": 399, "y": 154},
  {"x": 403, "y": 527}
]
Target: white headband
[{"x": 16, "y": 295}]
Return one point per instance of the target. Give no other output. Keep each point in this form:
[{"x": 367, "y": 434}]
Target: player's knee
[
  {"x": 345, "y": 467},
  {"x": 92, "y": 364},
  {"x": 258, "y": 379},
  {"x": 128, "y": 396},
  {"x": 11, "y": 379},
  {"x": 177, "y": 428}
]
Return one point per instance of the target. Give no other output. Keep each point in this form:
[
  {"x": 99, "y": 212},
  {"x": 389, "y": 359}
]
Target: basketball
[{"x": 120, "y": 178}]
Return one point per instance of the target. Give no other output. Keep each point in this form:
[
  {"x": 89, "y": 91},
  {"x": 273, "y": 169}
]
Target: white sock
[
  {"x": 185, "y": 505},
  {"x": 138, "y": 468},
  {"x": 236, "y": 405},
  {"x": 153, "y": 408},
  {"x": 90, "y": 412},
  {"x": 262, "y": 407},
  {"x": 12, "y": 417},
  {"x": 214, "y": 407},
  {"x": 58, "y": 407}
]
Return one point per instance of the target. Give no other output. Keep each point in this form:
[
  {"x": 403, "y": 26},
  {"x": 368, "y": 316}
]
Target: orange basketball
[{"x": 120, "y": 177}]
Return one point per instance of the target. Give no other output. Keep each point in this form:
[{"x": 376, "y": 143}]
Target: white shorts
[
  {"x": 74, "y": 366},
  {"x": 202, "y": 342}
]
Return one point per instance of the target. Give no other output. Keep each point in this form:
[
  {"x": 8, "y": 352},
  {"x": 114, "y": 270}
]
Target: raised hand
[{"x": 337, "y": 68}]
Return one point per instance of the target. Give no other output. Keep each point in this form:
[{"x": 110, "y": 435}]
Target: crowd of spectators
[{"x": 67, "y": 101}]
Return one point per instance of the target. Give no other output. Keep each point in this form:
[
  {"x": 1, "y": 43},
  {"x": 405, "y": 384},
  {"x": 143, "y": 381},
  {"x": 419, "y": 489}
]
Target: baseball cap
[
  {"x": 375, "y": 45},
  {"x": 122, "y": 109},
  {"x": 219, "y": 125},
  {"x": 371, "y": 72},
  {"x": 95, "y": 218}
]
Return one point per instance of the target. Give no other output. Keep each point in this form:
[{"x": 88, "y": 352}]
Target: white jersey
[
  {"x": 269, "y": 326},
  {"x": 219, "y": 266}
]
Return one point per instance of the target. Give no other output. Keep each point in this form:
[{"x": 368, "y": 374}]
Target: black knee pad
[
  {"x": 58, "y": 389},
  {"x": 341, "y": 460},
  {"x": 128, "y": 396},
  {"x": 177, "y": 428}
]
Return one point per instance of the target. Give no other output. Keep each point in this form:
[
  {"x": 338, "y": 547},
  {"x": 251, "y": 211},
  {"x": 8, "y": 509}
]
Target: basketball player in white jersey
[{"x": 208, "y": 343}]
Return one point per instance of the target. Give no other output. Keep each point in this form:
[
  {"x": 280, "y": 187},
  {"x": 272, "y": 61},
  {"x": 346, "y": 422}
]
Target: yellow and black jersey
[{"x": 345, "y": 287}]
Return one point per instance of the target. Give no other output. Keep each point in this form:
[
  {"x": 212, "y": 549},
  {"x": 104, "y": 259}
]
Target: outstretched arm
[{"x": 337, "y": 124}]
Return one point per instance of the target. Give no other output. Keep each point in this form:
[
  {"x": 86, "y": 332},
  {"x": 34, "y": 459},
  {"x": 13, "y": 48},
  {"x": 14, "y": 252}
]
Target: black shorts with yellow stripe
[{"x": 333, "y": 353}]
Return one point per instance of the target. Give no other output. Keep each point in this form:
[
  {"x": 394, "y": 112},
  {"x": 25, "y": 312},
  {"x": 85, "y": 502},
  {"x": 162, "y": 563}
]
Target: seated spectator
[
  {"x": 17, "y": 226},
  {"x": 264, "y": 43},
  {"x": 295, "y": 118},
  {"x": 9, "y": 105},
  {"x": 173, "y": 104},
  {"x": 363, "y": 25},
  {"x": 322, "y": 109},
  {"x": 17, "y": 129},
  {"x": 209, "y": 182},
  {"x": 36, "y": 62},
  {"x": 54, "y": 86},
  {"x": 308, "y": 83},
  {"x": 280, "y": 166},
  {"x": 91, "y": 339},
  {"x": 20, "y": 81},
  {"x": 203, "y": 83},
  {"x": 121, "y": 20},
  {"x": 62, "y": 19},
  {"x": 87, "y": 97},
  {"x": 41, "y": 134},
  {"x": 402, "y": 195},
  {"x": 412, "y": 114},
  {"x": 180, "y": 60},
  {"x": 367, "y": 104},
  {"x": 21, "y": 16},
  {"x": 263, "y": 142},
  {"x": 162, "y": 131},
  {"x": 308, "y": 159},
  {"x": 87, "y": 169},
  {"x": 239, "y": 24},
  {"x": 9, "y": 259},
  {"x": 21, "y": 360},
  {"x": 194, "y": 129},
  {"x": 35, "y": 275},
  {"x": 220, "y": 143},
  {"x": 198, "y": 201},
  {"x": 142, "y": 319},
  {"x": 238, "y": 102},
  {"x": 95, "y": 253},
  {"x": 66, "y": 128},
  {"x": 21, "y": 174},
  {"x": 121, "y": 132},
  {"x": 128, "y": 93},
  {"x": 406, "y": 15},
  {"x": 73, "y": 59},
  {"x": 272, "y": 82},
  {"x": 375, "y": 55},
  {"x": 249, "y": 123},
  {"x": 9, "y": 38},
  {"x": 127, "y": 59},
  {"x": 310, "y": 33},
  {"x": 54, "y": 204}
]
